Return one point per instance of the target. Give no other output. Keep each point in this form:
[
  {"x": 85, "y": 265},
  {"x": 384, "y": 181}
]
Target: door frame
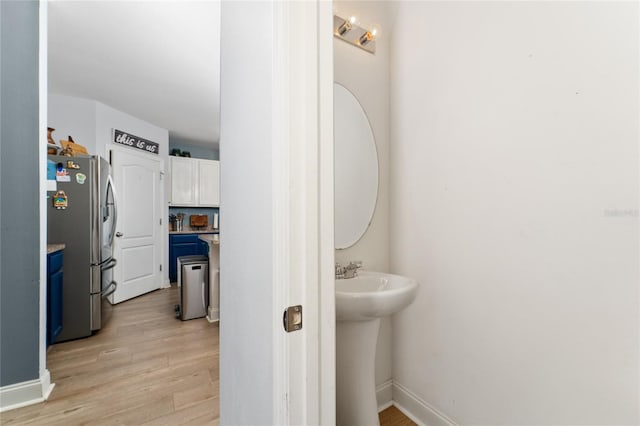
[{"x": 304, "y": 386}]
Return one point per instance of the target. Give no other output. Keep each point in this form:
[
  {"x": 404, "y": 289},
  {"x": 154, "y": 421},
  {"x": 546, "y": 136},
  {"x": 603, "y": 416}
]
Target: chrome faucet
[{"x": 349, "y": 271}]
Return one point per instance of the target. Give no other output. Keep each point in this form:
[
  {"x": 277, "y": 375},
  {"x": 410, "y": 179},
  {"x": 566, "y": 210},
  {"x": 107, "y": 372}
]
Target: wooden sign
[{"x": 133, "y": 141}]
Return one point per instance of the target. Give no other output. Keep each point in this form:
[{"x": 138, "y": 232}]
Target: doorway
[{"x": 319, "y": 369}]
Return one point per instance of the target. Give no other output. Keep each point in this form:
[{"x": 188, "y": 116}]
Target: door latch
[{"x": 292, "y": 318}]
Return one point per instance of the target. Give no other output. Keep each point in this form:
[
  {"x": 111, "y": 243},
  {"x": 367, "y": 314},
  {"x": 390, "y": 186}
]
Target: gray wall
[{"x": 19, "y": 229}]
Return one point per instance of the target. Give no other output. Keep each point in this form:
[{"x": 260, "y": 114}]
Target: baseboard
[
  {"x": 384, "y": 395},
  {"x": 25, "y": 393},
  {"x": 47, "y": 386},
  {"x": 417, "y": 409},
  {"x": 213, "y": 315}
]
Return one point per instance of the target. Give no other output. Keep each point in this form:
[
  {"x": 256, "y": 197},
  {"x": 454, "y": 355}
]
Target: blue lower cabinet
[
  {"x": 54, "y": 296},
  {"x": 184, "y": 245}
]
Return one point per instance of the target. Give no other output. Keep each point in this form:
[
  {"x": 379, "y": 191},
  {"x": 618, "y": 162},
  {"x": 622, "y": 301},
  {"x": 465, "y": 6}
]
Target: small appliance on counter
[{"x": 198, "y": 221}]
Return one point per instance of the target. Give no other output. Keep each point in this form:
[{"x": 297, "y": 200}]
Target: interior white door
[{"x": 137, "y": 244}]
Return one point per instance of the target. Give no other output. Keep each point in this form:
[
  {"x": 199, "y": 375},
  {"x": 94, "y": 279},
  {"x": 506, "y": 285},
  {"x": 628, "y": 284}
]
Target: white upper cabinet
[
  {"x": 195, "y": 182},
  {"x": 209, "y": 183},
  {"x": 183, "y": 176}
]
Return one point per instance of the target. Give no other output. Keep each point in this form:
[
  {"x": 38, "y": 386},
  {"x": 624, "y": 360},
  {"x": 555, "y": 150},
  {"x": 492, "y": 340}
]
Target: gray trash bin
[{"x": 193, "y": 282}]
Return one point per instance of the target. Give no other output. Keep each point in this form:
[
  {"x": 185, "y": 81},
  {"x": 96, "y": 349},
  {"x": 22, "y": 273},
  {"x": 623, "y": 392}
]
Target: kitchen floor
[{"x": 145, "y": 367}]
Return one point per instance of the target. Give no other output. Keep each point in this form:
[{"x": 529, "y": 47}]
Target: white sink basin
[
  {"x": 373, "y": 295},
  {"x": 360, "y": 303}
]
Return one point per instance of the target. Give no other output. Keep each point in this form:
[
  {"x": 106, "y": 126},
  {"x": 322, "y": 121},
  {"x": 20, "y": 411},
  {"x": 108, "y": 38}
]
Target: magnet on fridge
[
  {"x": 72, "y": 165},
  {"x": 62, "y": 175},
  {"x": 60, "y": 200},
  {"x": 80, "y": 178}
]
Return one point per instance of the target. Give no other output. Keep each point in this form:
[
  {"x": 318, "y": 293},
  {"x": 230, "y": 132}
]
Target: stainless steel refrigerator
[{"x": 85, "y": 222}]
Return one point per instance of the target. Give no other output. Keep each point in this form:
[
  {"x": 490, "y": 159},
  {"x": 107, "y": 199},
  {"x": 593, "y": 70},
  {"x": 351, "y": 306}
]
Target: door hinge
[
  {"x": 292, "y": 318},
  {"x": 160, "y": 221},
  {"x": 161, "y": 267}
]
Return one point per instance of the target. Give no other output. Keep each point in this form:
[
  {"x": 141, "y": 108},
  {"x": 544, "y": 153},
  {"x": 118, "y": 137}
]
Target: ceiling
[{"x": 156, "y": 60}]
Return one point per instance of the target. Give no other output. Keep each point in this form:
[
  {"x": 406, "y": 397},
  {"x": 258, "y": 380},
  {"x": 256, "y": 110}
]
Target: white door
[
  {"x": 137, "y": 246},
  {"x": 276, "y": 195}
]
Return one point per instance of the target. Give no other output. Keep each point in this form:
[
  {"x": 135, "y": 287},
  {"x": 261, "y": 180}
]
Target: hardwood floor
[
  {"x": 394, "y": 417},
  {"x": 144, "y": 367}
]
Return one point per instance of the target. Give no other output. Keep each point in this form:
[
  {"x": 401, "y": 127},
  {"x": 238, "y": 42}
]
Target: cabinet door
[
  {"x": 54, "y": 295},
  {"x": 209, "y": 183},
  {"x": 54, "y": 312},
  {"x": 183, "y": 178},
  {"x": 181, "y": 245}
]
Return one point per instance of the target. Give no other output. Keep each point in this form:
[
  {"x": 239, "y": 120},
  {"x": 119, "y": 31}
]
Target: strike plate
[{"x": 292, "y": 318}]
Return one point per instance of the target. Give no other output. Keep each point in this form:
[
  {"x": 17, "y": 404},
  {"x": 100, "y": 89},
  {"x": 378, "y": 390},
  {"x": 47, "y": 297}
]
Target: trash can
[{"x": 193, "y": 282}]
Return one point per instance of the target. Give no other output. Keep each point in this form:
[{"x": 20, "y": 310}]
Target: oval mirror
[{"x": 356, "y": 168}]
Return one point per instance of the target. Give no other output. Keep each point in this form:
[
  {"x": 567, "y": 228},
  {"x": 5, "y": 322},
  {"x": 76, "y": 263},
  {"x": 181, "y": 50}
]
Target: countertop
[
  {"x": 211, "y": 239},
  {"x": 188, "y": 230},
  {"x": 52, "y": 248}
]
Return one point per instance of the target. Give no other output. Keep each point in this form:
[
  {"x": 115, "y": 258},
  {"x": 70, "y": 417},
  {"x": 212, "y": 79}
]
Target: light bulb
[
  {"x": 344, "y": 28},
  {"x": 375, "y": 30},
  {"x": 366, "y": 38}
]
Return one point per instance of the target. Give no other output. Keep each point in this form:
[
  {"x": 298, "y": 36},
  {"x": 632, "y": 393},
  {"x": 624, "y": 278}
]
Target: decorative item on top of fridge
[{"x": 71, "y": 149}]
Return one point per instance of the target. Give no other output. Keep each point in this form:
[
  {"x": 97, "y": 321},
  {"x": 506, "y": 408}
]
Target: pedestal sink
[{"x": 360, "y": 303}]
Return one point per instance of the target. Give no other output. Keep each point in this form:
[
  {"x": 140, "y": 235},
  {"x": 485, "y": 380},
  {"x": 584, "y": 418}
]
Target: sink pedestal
[
  {"x": 360, "y": 303},
  {"x": 356, "y": 403}
]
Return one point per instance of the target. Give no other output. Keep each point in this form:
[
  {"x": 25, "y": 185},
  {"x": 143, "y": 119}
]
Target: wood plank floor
[
  {"x": 394, "y": 417},
  {"x": 145, "y": 367}
]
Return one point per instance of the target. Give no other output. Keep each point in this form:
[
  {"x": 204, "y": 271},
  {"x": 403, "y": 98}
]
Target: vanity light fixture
[
  {"x": 346, "y": 26},
  {"x": 347, "y": 30}
]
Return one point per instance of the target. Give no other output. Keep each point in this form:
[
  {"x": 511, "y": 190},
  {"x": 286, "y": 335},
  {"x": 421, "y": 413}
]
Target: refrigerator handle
[
  {"x": 115, "y": 209},
  {"x": 109, "y": 264},
  {"x": 111, "y": 288}
]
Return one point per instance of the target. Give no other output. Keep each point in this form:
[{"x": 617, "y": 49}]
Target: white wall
[
  {"x": 75, "y": 117},
  {"x": 246, "y": 240},
  {"x": 367, "y": 77},
  {"x": 514, "y": 182},
  {"x": 91, "y": 124}
]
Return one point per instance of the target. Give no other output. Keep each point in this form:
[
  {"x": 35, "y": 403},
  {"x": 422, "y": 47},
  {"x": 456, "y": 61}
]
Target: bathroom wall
[
  {"x": 514, "y": 202},
  {"x": 367, "y": 77}
]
